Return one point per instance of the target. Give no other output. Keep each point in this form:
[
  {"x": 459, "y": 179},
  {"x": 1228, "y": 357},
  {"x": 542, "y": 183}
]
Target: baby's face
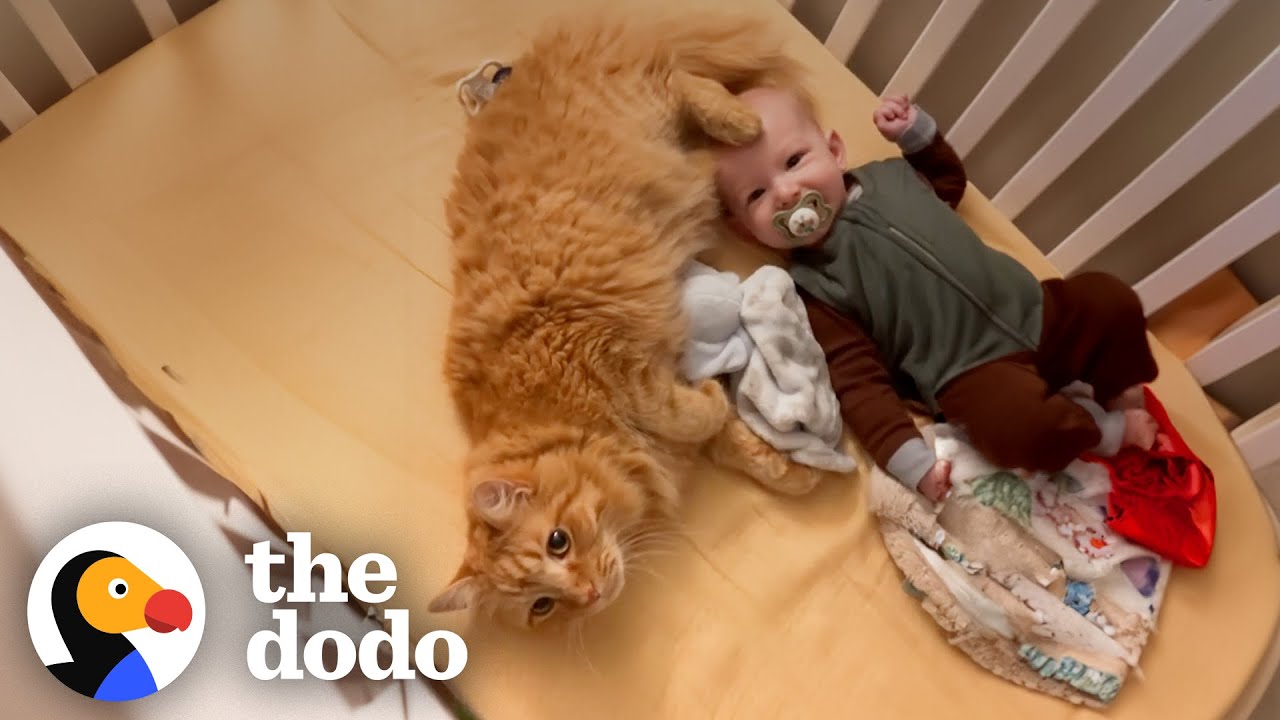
[{"x": 791, "y": 156}]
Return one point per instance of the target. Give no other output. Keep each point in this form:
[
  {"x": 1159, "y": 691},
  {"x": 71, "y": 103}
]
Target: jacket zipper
[{"x": 941, "y": 270}]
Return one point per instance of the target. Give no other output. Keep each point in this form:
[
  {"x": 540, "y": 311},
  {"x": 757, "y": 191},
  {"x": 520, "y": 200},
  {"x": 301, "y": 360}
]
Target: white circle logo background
[{"x": 167, "y": 655}]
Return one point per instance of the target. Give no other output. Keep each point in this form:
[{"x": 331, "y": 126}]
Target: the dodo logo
[{"x": 116, "y": 611}]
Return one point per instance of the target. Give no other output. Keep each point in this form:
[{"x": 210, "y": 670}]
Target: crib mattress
[{"x": 249, "y": 213}]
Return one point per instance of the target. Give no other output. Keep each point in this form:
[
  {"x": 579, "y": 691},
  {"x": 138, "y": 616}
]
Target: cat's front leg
[
  {"x": 714, "y": 109},
  {"x": 677, "y": 412}
]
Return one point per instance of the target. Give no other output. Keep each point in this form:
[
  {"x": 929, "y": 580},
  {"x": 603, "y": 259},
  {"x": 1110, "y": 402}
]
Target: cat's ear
[
  {"x": 496, "y": 499},
  {"x": 460, "y": 595}
]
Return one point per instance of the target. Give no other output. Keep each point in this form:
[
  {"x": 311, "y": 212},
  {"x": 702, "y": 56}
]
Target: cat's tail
[
  {"x": 734, "y": 50},
  {"x": 703, "y": 57},
  {"x": 714, "y": 56}
]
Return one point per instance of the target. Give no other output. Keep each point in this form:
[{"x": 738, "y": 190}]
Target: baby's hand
[
  {"x": 894, "y": 116},
  {"x": 937, "y": 482},
  {"x": 1140, "y": 429}
]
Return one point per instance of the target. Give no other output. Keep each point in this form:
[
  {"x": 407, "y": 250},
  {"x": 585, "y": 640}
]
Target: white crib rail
[
  {"x": 57, "y": 42},
  {"x": 15, "y": 111},
  {"x": 157, "y": 15},
  {"x": 944, "y": 27},
  {"x": 1055, "y": 23},
  {"x": 1224, "y": 245},
  {"x": 1182, "y": 24},
  {"x": 1235, "y": 115},
  {"x": 52, "y": 34},
  {"x": 1168, "y": 40},
  {"x": 849, "y": 26}
]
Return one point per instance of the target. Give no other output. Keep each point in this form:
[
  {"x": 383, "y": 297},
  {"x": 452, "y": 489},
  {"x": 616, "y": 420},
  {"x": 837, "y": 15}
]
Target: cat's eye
[
  {"x": 542, "y": 605},
  {"x": 794, "y": 160},
  {"x": 558, "y": 542}
]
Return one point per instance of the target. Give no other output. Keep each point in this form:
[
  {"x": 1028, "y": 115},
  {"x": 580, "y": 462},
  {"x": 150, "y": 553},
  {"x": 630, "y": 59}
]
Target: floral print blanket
[{"x": 1024, "y": 573}]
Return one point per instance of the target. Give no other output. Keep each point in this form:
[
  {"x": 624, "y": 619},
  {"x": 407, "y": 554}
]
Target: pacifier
[
  {"x": 804, "y": 218},
  {"x": 478, "y": 86}
]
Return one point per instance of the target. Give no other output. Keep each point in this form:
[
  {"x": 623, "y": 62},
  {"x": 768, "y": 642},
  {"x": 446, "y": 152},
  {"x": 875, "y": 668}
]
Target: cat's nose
[{"x": 591, "y": 594}]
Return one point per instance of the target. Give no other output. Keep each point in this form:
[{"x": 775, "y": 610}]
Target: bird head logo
[{"x": 116, "y": 611}]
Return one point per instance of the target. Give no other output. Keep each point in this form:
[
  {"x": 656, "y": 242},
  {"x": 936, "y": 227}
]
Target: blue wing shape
[{"x": 128, "y": 680}]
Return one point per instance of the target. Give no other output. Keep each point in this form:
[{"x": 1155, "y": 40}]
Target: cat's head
[{"x": 548, "y": 537}]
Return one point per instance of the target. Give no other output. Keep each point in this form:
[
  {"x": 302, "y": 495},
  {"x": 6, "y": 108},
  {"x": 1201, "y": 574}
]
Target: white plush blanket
[{"x": 755, "y": 333}]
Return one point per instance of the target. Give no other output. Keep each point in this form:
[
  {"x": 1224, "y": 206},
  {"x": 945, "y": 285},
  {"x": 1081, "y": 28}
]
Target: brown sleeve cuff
[
  {"x": 942, "y": 168},
  {"x": 869, "y": 403}
]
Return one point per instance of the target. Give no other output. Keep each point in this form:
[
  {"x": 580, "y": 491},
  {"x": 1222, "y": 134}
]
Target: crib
[
  {"x": 292, "y": 50},
  {"x": 1242, "y": 107}
]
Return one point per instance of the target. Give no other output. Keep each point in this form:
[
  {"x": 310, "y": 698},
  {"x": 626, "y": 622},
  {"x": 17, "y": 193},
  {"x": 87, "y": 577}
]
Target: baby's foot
[
  {"x": 1140, "y": 429},
  {"x": 1131, "y": 399}
]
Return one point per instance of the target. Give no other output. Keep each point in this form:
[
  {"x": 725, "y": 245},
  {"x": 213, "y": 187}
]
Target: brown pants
[{"x": 1094, "y": 331}]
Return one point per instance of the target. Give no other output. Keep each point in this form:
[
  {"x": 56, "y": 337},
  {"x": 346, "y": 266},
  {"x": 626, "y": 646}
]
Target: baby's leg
[
  {"x": 1015, "y": 419},
  {"x": 738, "y": 448},
  {"x": 1096, "y": 330},
  {"x": 1131, "y": 399},
  {"x": 675, "y": 411}
]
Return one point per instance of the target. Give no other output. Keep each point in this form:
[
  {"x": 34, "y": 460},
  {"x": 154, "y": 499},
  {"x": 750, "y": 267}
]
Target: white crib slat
[
  {"x": 58, "y": 44},
  {"x": 1167, "y": 40},
  {"x": 1055, "y": 23},
  {"x": 157, "y": 15},
  {"x": 941, "y": 32},
  {"x": 1225, "y": 244},
  {"x": 1255, "y": 335},
  {"x": 1235, "y": 115},
  {"x": 852, "y": 21},
  {"x": 1259, "y": 439},
  {"x": 15, "y": 111}
]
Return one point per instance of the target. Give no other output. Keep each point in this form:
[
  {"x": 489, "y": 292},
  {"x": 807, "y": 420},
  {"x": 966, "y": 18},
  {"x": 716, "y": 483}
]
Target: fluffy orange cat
[{"x": 581, "y": 190}]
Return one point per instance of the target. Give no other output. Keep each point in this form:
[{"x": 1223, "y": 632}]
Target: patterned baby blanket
[{"x": 1022, "y": 571}]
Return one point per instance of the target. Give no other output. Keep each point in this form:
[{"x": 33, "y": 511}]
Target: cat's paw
[
  {"x": 739, "y": 448},
  {"x": 738, "y": 125},
  {"x": 797, "y": 480},
  {"x": 715, "y": 110},
  {"x": 719, "y": 407}
]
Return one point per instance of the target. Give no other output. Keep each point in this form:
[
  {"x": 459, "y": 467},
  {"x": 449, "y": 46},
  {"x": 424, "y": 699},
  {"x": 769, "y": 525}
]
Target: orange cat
[{"x": 581, "y": 190}]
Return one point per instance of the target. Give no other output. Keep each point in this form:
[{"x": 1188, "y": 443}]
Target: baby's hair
[
  {"x": 799, "y": 90},
  {"x": 807, "y": 101},
  {"x": 791, "y": 84}
]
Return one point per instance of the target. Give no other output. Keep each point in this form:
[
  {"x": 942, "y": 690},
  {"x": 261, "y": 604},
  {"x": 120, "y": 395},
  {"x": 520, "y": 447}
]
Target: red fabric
[{"x": 1163, "y": 498}]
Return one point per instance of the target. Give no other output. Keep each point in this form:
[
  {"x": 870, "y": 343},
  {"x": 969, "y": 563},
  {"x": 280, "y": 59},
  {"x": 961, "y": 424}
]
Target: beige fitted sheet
[{"x": 249, "y": 213}]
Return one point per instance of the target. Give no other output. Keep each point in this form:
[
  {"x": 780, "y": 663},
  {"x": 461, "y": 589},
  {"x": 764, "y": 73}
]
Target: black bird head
[{"x": 96, "y": 597}]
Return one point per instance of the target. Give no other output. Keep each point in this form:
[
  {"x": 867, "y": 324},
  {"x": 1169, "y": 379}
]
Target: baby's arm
[
  {"x": 869, "y": 403},
  {"x": 916, "y": 134}
]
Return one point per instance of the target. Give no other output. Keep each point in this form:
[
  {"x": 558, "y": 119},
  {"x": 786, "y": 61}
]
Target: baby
[{"x": 896, "y": 285}]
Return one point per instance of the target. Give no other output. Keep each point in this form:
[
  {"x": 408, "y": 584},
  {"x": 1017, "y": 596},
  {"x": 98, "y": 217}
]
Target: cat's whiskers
[
  {"x": 651, "y": 534},
  {"x": 578, "y": 634},
  {"x": 651, "y": 572},
  {"x": 649, "y": 550}
]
